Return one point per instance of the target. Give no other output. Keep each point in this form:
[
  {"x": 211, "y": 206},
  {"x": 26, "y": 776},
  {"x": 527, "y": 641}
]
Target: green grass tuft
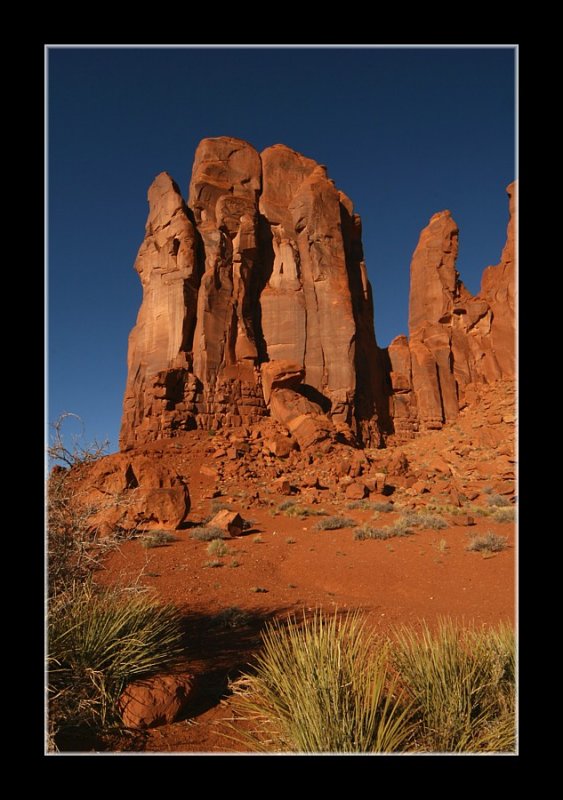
[
  {"x": 98, "y": 642},
  {"x": 321, "y": 686},
  {"x": 462, "y": 685}
]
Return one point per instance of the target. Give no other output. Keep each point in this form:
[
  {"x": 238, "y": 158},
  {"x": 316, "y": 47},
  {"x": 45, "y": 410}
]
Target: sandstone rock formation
[
  {"x": 455, "y": 340},
  {"x": 263, "y": 266},
  {"x": 256, "y": 303}
]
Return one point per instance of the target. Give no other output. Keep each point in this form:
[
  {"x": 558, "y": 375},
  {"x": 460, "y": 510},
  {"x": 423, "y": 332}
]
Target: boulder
[
  {"x": 229, "y": 521},
  {"x": 155, "y": 701},
  {"x": 356, "y": 491}
]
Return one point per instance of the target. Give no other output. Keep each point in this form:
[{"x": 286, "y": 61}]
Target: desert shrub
[
  {"x": 158, "y": 539},
  {"x": 397, "y": 530},
  {"x": 292, "y": 509},
  {"x": 384, "y": 507},
  {"x": 504, "y": 515},
  {"x": 321, "y": 686},
  {"x": 207, "y": 533},
  {"x": 231, "y": 618},
  {"x": 217, "y": 548},
  {"x": 77, "y": 451},
  {"x": 213, "y": 563},
  {"x": 97, "y": 643},
  {"x": 74, "y": 543},
  {"x": 218, "y": 505},
  {"x": 333, "y": 523},
  {"x": 490, "y": 543},
  {"x": 462, "y": 685},
  {"x": 367, "y": 505},
  {"x": 422, "y": 519},
  {"x": 498, "y": 500}
]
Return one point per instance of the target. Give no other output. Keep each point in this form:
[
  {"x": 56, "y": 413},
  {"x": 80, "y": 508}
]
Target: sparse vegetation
[
  {"x": 292, "y": 509},
  {"x": 258, "y": 539},
  {"x": 397, "y": 530},
  {"x": 365, "y": 505},
  {"x": 334, "y": 523},
  {"x": 213, "y": 564},
  {"x": 321, "y": 686},
  {"x": 218, "y": 505},
  {"x": 290, "y": 540},
  {"x": 158, "y": 539},
  {"x": 232, "y": 617},
  {"x": 498, "y": 500},
  {"x": 217, "y": 548},
  {"x": 97, "y": 643},
  {"x": 234, "y": 563},
  {"x": 258, "y": 590},
  {"x": 422, "y": 519},
  {"x": 384, "y": 507},
  {"x": 78, "y": 451},
  {"x": 504, "y": 515},
  {"x": 207, "y": 533},
  {"x": 490, "y": 543},
  {"x": 326, "y": 684},
  {"x": 462, "y": 684}
]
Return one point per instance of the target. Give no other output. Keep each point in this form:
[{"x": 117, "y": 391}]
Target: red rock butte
[{"x": 256, "y": 303}]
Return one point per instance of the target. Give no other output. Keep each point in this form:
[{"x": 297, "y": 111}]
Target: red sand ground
[{"x": 399, "y": 581}]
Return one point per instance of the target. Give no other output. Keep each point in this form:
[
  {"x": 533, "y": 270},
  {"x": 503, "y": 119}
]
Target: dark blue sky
[{"x": 404, "y": 132}]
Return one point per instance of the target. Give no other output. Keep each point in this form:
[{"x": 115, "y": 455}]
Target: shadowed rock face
[
  {"x": 455, "y": 339},
  {"x": 263, "y": 265}
]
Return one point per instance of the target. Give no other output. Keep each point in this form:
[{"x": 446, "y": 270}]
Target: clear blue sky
[{"x": 404, "y": 132}]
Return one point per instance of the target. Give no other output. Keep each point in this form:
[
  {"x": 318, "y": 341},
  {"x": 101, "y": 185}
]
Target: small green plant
[
  {"x": 207, "y": 533},
  {"x": 217, "y": 548},
  {"x": 334, "y": 523},
  {"x": 234, "y": 563},
  {"x": 158, "y": 539},
  {"x": 490, "y": 543}
]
